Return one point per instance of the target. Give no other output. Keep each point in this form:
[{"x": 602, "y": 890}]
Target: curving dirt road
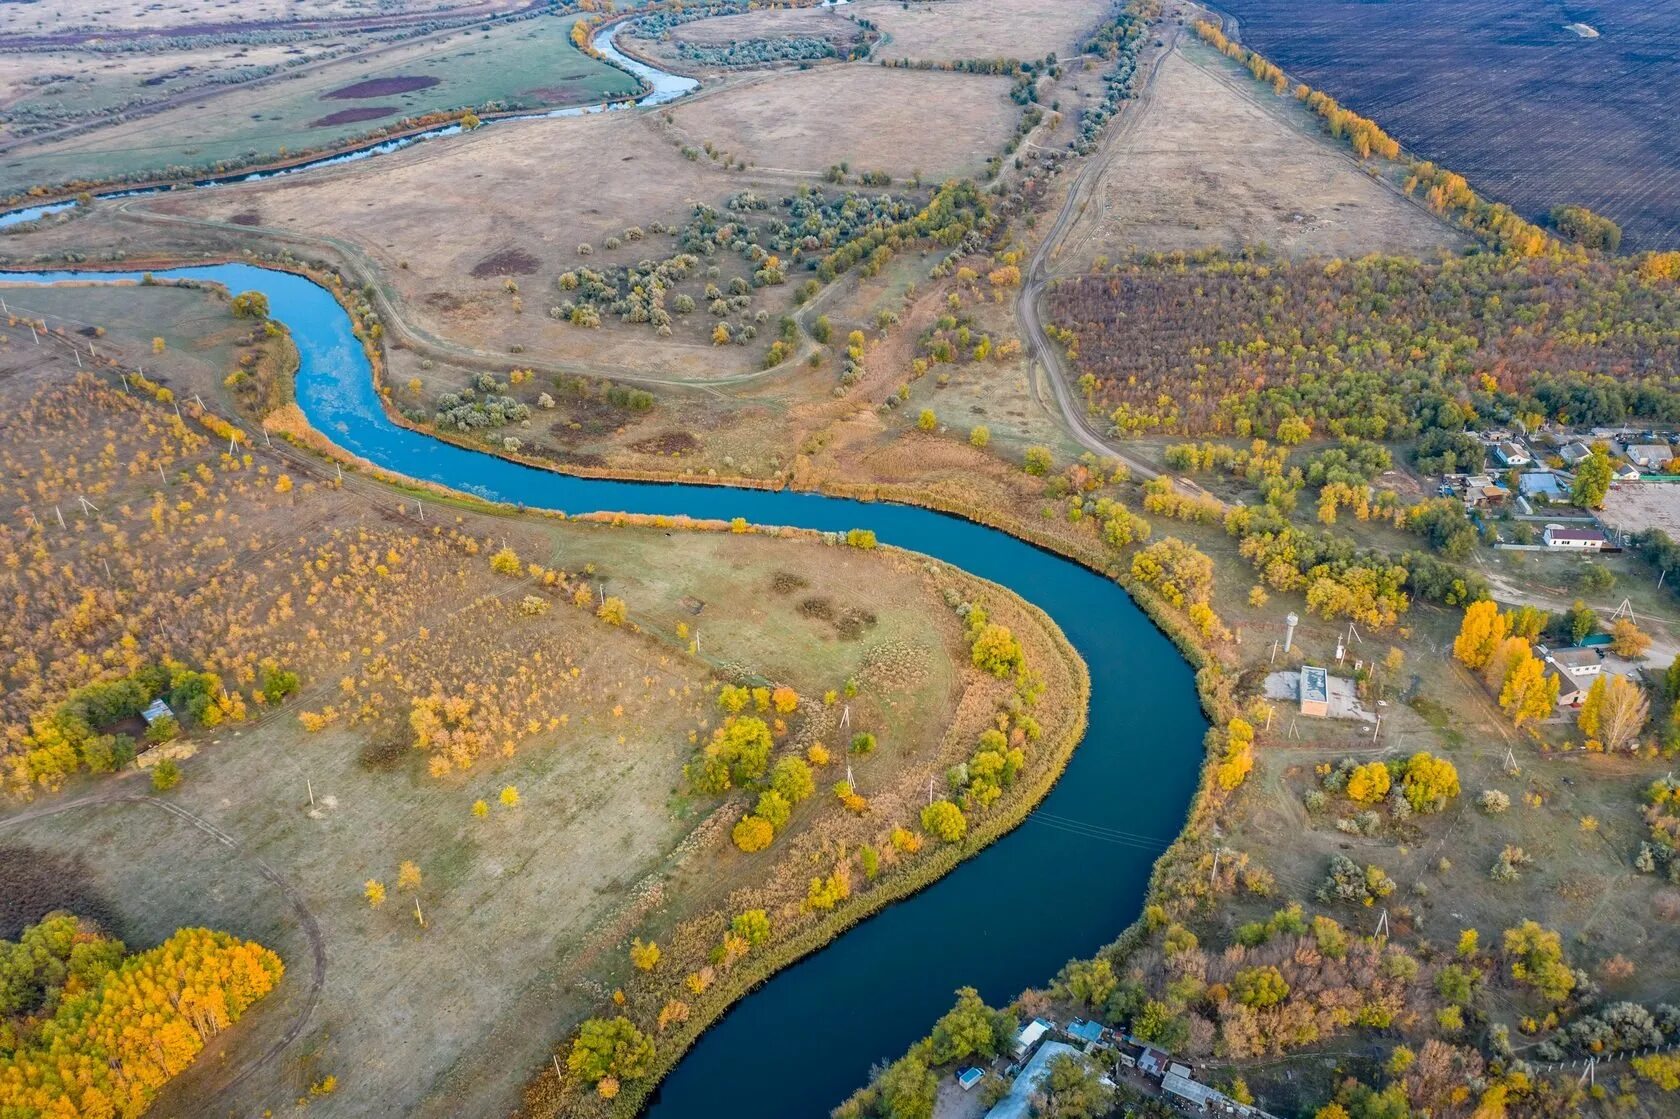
[
  {"x": 306, "y": 919},
  {"x": 1044, "y": 354}
]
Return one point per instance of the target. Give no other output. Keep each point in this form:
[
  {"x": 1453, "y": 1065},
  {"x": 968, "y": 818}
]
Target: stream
[{"x": 1059, "y": 886}]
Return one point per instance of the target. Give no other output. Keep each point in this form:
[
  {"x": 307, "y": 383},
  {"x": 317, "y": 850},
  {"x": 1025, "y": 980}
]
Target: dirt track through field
[{"x": 306, "y": 919}]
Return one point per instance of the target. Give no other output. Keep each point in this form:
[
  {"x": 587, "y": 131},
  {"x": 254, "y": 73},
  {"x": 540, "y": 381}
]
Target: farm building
[
  {"x": 1315, "y": 691},
  {"x": 1573, "y": 539},
  {"x": 1574, "y": 669},
  {"x": 1510, "y": 454}
]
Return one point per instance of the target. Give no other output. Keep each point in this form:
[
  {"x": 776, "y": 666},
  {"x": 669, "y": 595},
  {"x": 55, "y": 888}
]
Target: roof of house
[
  {"x": 156, "y": 710},
  {"x": 1510, "y": 452},
  {"x": 1152, "y": 1060},
  {"x": 1540, "y": 481},
  {"x": 1085, "y": 1031},
  {"x": 1018, "y": 1103},
  {"x": 1030, "y": 1033},
  {"x": 1184, "y": 1088},
  {"x": 1567, "y": 684},
  {"x": 1626, "y": 471},
  {"x": 1576, "y": 449},
  {"x": 1315, "y": 684},
  {"x": 1653, "y": 452},
  {"x": 1575, "y": 657},
  {"x": 1564, "y": 532}
]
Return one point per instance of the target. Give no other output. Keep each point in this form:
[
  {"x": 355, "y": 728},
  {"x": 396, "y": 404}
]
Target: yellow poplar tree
[{"x": 1480, "y": 633}]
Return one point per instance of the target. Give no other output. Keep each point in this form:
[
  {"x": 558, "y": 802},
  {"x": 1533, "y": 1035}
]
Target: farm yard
[
  {"x": 1247, "y": 169},
  {"x": 507, "y": 703},
  {"x": 1506, "y": 95},
  {"x": 525, "y": 63}
]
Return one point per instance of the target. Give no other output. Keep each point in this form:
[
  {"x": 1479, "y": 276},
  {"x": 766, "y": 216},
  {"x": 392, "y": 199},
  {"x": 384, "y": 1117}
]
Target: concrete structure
[
  {"x": 1315, "y": 691},
  {"x": 1018, "y": 1103},
  {"x": 1570, "y": 538},
  {"x": 1509, "y": 454}
]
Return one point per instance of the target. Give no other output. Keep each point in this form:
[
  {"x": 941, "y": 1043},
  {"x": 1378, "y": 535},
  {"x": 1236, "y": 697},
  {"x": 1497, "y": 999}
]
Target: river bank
[{"x": 1020, "y": 942}]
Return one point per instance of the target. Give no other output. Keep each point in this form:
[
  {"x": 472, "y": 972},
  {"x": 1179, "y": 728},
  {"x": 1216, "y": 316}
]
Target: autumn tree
[
  {"x": 1614, "y": 712},
  {"x": 971, "y": 1029},
  {"x": 1536, "y": 959},
  {"x": 1369, "y": 783},
  {"x": 944, "y": 820},
  {"x": 1592, "y": 479},
  {"x": 1429, "y": 782},
  {"x": 610, "y": 1047},
  {"x": 1528, "y": 694},
  {"x": 1479, "y": 634},
  {"x": 644, "y": 956},
  {"x": 1627, "y": 639}
]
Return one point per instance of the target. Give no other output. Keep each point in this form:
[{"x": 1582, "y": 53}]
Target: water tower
[{"x": 1289, "y": 632}]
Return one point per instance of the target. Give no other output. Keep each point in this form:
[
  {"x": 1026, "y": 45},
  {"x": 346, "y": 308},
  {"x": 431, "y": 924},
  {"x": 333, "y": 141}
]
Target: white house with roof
[
  {"x": 1511, "y": 454},
  {"x": 1625, "y": 472},
  {"x": 1574, "y": 670},
  {"x": 1574, "y": 538}
]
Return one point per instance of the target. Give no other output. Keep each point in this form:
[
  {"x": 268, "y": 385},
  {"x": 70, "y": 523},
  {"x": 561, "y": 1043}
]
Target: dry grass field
[
  {"x": 1505, "y": 94},
  {"x": 949, "y": 30},
  {"x": 875, "y": 119},
  {"x": 1211, "y": 159},
  {"x": 448, "y": 225},
  {"x": 449, "y": 1018}
]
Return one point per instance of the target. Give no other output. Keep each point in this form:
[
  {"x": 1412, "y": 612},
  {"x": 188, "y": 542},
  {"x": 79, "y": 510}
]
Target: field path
[
  {"x": 1042, "y": 354},
  {"x": 306, "y": 919}
]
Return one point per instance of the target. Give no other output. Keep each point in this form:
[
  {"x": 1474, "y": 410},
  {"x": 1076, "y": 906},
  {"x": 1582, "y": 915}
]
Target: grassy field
[
  {"x": 1550, "y": 117},
  {"x": 958, "y": 29},
  {"x": 1248, "y": 169},
  {"x": 875, "y": 119},
  {"x": 835, "y": 25},
  {"x": 591, "y": 723},
  {"x": 130, "y": 15},
  {"x": 526, "y": 63}
]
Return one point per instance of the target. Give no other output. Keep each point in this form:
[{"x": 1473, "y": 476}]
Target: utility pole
[
  {"x": 1382, "y": 923},
  {"x": 1213, "y": 875},
  {"x": 60, "y": 513},
  {"x": 311, "y": 787}
]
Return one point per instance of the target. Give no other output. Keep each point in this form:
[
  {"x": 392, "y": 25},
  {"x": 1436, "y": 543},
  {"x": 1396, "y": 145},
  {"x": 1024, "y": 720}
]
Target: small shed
[
  {"x": 1315, "y": 691},
  {"x": 156, "y": 710},
  {"x": 970, "y": 1076}
]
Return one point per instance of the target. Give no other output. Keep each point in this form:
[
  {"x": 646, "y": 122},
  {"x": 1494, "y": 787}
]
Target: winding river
[{"x": 1058, "y": 887}]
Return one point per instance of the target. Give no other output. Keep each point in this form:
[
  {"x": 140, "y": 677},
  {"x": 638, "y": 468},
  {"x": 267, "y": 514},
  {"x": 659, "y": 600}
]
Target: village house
[
  {"x": 1572, "y": 453},
  {"x": 1625, "y": 472},
  {"x": 1574, "y": 669},
  {"x": 1572, "y": 538},
  {"x": 1648, "y": 456},
  {"x": 1510, "y": 454}
]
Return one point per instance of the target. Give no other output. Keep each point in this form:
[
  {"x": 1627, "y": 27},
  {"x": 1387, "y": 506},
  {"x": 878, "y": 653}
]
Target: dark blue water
[{"x": 1060, "y": 886}]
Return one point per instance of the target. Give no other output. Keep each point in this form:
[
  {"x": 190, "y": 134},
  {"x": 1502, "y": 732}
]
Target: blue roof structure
[
  {"x": 969, "y": 1077},
  {"x": 1085, "y": 1031},
  {"x": 1540, "y": 483}
]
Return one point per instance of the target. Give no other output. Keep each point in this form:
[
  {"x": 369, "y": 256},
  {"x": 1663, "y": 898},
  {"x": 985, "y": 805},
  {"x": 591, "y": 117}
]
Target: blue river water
[{"x": 1059, "y": 886}]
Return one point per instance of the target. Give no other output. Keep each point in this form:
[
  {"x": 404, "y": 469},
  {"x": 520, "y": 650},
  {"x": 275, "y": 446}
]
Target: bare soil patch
[
  {"x": 351, "y": 116},
  {"x": 382, "y": 87},
  {"x": 247, "y": 217},
  {"x": 958, "y": 29},
  {"x": 1209, "y": 162},
  {"x": 874, "y": 118},
  {"x": 1636, "y": 507},
  {"x": 507, "y": 262},
  {"x": 34, "y": 882}
]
